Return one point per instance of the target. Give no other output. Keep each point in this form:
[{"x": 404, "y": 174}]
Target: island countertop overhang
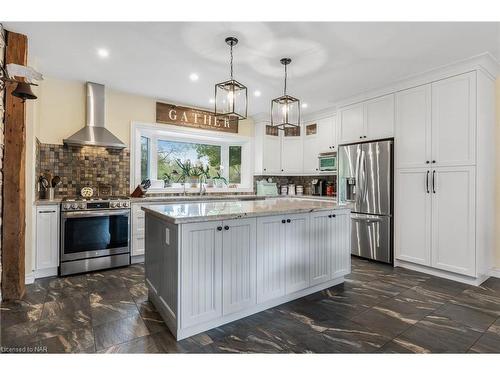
[{"x": 181, "y": 213}]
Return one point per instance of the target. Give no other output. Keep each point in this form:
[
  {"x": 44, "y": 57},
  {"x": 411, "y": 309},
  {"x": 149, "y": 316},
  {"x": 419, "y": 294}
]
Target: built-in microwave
[{"x": 327, "y": 162}]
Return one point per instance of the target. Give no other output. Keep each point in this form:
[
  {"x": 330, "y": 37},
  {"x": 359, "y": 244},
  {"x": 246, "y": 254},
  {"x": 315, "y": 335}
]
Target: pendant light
[
  {"x": 285, "y": 110},
  {"x": 231, "y": 96}
]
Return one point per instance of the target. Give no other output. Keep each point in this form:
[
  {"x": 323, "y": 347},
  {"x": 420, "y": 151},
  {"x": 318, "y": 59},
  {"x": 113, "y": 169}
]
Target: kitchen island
[{"x": 210, "y": 263}]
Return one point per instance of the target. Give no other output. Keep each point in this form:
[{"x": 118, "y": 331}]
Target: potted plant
[
  {"x": 219, "y": 180},
  {"x": 167, "y": 179},
  {"x": 185, "y": 171},
  {"x": 205, "y": 172}
]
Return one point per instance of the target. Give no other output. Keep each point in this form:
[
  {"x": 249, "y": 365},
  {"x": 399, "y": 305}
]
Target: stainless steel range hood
[{"x": 94, "y": 133}]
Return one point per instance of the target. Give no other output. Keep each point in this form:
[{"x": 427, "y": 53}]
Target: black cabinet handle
[
  {"x": 265, "y": 169},
  {"x": 433, "y": 162},
  {"x": 333, "y": 215},
  {"x": 283, "y": 221},
  {"x": 427, "y": 182},
  {"x": 361, "y": 137},
  {"x": 433, "y": 182},
  {"x": 219, "y": 228},
  {"x": 427, "y": 162},
  {"x": 288, "y": 220},
  {"x": 282, "y": 170},
  {"x": 226, "y": 227},
  {"x": 330, "y": 216}
]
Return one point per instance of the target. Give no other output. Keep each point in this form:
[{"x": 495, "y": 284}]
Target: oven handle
[{"x": 96, "y": 213}]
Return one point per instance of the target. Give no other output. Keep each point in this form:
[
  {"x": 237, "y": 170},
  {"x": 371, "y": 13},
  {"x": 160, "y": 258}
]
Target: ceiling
[{"x": 331, "y": 61}]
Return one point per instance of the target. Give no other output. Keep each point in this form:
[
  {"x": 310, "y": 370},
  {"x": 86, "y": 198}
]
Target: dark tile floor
[{"x": 378, "y": 309}]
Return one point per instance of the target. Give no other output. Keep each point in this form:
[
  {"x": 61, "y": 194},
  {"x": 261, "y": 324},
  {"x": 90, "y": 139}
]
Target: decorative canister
[
  {"x": 291, "y": 189},
  {"x": 284, "y": 189},
  {"x": 299, "y": 189}
]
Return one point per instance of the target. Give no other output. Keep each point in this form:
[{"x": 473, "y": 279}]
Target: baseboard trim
[
  {"x": 475, "y": 281},
  {"x": 29, "y": 278},
  {"x": 495, "y": 272},
  {"x": 137, "y": 259}
]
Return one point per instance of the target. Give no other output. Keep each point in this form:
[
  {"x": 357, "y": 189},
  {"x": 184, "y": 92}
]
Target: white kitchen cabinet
[
  {"x": 371, "y": 119},
  {"x": 327, "y": 134},
  {"x": 453, "y": 219},
  {"x": 379, "y": 117},
  {"x": 319, "y": 136},
  {"x": 340, "y": 255},
  {"x": 47, "y": 240},
  {"x": 291, "y": 154},
  {"x": 137, "y": 230},
  {"x": 201, "y": 272},
  {"x": 412, "y": 222},
  {"x": 271, "y": 154},
  {"x": 320, "y": 247},
  {"x": 454, "y": 120},
  {"x": 270, "y": 258},
  {"x": 352, "y": 123},
  {"x": 413, "y": 127},
  {"x": 239, "y": 264},
  {"x": 296, "y": 253},
  {"x": 310, "y": 162}
]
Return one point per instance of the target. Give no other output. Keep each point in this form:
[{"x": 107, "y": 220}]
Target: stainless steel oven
[{"x": 94, "y": 235}]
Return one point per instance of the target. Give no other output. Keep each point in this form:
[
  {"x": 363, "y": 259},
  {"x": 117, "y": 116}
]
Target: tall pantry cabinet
[{"x": 444, "y": 138}]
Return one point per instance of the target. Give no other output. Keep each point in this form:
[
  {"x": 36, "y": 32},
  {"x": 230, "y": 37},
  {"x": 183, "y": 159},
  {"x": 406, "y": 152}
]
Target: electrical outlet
[{"x": 167, "y": 236}]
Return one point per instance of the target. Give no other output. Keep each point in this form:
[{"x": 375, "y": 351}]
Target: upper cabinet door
[
  {"x": 292, "y": 154},
  {"x": 454, "y": 120},
  {"x": 310, "y": 146},
  {"x": 413, "y": 127},
  {"x": 327, "y": 134},
  {"x": 380, "y": 117},
  {"x": 352, "y": 123},
  {"x": 271, "y": 154}
]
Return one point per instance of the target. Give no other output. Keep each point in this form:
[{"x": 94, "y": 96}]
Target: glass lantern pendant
[
  {"x": 285, "y": 110},
  {"x": 231, "y": 96}
]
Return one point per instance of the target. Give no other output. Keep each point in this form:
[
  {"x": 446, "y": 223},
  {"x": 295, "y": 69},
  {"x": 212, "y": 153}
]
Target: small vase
[
  {"x": 210, "y": 182},
  {"x": 193, "y": 181}
]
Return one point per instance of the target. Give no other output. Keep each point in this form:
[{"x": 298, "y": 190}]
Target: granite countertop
[
  {"x": 197, "y": 198},
  {"x": 179, "y": 213},
  {"x": 237, "y": 197}
]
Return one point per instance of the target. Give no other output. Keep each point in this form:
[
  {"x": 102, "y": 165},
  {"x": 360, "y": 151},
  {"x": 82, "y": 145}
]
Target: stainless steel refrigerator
[{"x": 365, "y": 178}]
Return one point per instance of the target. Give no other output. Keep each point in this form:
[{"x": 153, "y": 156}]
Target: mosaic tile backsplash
[
  {"x": 84, "y": 166},
  {"x": 305, "y": 181}
]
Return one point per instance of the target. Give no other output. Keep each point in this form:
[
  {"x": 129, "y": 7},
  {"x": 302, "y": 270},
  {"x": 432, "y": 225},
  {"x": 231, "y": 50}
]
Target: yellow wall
[
  {"x": 61, "y": 111},
  {"x": 497, "y": 203}
]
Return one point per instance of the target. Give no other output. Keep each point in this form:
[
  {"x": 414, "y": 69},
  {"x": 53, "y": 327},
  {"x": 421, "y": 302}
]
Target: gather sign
[{"x": 194, "y": 118}]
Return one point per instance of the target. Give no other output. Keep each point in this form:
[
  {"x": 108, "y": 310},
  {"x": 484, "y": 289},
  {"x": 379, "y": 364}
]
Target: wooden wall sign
[{"x": 193, "y": 118}]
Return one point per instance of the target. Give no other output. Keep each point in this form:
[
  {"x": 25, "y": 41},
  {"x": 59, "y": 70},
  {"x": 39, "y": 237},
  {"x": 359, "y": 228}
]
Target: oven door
[{"x": 90, "y": 234}]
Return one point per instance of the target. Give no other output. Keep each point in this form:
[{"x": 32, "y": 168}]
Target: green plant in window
[{"x": 185, "y": 168}]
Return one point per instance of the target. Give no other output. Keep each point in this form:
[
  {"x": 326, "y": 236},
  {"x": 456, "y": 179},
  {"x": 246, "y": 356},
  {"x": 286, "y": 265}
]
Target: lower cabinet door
[
  {"x": 412, "y": 219},
  {"x": 201, "y": 273},
  {"x": 238, "y": 264},
  {"x": 340, "y": 255},
  {"x": 296, "y": 252},
  {"x": 453, "y": 219},
  {"x": 321, "y": 245},
  {"x": 270, "y": 258},
  {"x": 47, "y": 237}
]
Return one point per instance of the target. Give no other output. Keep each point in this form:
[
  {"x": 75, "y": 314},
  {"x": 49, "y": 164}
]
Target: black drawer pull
[
  {"x": 219, "y": 228},
  {"x": 283, "y": 221},
  {"x": 226, "y": 227},
  {"x": 288, "y": 220}
]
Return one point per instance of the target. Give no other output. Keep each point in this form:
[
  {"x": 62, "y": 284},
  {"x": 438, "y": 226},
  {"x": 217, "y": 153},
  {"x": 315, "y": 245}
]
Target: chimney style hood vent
[{"x": 94, "y": 133}]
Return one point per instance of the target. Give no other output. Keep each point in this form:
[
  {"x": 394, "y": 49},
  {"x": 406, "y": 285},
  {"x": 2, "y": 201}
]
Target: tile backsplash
[
  {"x": 84, "y": 166},
  {"x": 297, "y": 180}
]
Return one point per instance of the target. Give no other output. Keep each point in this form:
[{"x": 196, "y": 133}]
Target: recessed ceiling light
[
  {"x": 103, "y": 52},
  {"x": 257, "y": 93},
  {"x": 211, "y": 100},
  {"x": 194, "y": 77},
  {"x": 305, "y": 105}
]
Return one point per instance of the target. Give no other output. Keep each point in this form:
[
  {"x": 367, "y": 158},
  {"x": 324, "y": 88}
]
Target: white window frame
[{"x": 178, "y": 134}]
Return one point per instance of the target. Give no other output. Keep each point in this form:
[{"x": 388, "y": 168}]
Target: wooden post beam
[{"x": 14, "y": 189}]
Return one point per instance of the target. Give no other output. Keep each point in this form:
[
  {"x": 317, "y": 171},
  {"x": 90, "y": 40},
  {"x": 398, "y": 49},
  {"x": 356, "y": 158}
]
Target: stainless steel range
[{"x": 95, "y": 234}]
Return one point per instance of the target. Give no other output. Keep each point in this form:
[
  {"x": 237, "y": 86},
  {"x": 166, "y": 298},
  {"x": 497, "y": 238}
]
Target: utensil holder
[{"x": 50, "y": 193}]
